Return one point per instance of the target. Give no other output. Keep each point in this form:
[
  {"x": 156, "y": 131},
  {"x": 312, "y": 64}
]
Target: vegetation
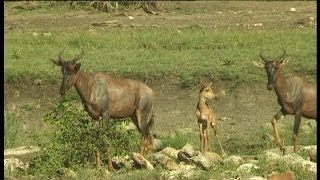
[
  {"x": 185, "y": 55},
  {"x": 75, "y": 138}
]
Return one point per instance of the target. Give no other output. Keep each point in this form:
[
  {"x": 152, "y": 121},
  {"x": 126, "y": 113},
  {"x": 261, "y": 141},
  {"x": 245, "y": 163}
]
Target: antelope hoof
[
  {"x": 224, "y": 154},
  {"x": 111, "y": 169},
  {"x": 283, "y": 151}
]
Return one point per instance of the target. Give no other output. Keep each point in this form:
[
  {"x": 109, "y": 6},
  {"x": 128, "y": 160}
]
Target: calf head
[
  {"x": 272, "y": 67},
  {"x": 206, "y": 91},
  {"x": 69, "y": 71}
]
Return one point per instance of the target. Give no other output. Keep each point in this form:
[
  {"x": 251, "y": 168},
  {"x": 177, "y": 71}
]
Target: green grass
[
  {"x": 14, "y": 135},
  {"x": 189, "y": 55}
]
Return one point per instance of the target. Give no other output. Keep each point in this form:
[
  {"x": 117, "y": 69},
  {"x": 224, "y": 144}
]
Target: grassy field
[
  {"x": 185, "y": 44},
  {"x": 187, "y": 54}
]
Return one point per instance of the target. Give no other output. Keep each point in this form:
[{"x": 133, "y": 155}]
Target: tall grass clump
[
  {"x": 76, "y": 138},
  {"x": 13, "y": 130}
]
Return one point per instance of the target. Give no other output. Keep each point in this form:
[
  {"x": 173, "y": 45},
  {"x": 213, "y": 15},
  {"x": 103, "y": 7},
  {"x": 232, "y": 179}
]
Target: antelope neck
[
  {"x": 202, "y": 102},
  {"x": 83, "y": 85}
]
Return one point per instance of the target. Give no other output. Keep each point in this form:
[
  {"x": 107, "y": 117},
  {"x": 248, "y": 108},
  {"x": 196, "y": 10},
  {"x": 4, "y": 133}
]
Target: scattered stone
[
  {"x": 247, "y": 168},
  {"x": 165, "y": 161},
  {"x": 11, "y": 164},
  {"x": 251, "y": 178},
  {"x": 289, "y": 175},
  {"x": 185, "y": 171},
  {"x": 201, "y": 161},
  {"x": 292, "y": 9},
  {"x": 258, "y": 24},
  {"x": 313, "y": 155},
  {"x": 213, "y": 157},
  {"x": 188, "y": 150},
  {"x": 119, "y": 162},
  {"x": 233, "y": 160},
  {"x": 47, "y": 34},
  {"x": 157, "y": 144},
  {"x": 140, "y": 160},
  {"x": 170, "y": 152},
  {"x": 35, "y": 34},
  {"x": 20, "y": 151},
  {"x": 69, "y": 173},
  {"x": 131, "y": 17}
]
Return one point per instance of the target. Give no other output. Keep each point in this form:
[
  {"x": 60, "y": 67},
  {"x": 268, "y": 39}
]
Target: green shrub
[{"x": 76, "y": 137}]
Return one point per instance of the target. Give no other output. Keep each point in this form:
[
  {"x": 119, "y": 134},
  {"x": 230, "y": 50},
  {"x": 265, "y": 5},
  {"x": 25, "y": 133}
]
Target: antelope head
[
  {"x": 206, "y": 91},
  {"x": 272, "y": 67},
  {"x": 69, "y": 71}
]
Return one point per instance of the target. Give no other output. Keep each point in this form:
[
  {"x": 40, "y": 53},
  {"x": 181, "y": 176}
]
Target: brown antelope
[
  {"x": 206, "y": 118},
  {"x": 107, "y": 97},
  {"x": 296, "y": 96}
]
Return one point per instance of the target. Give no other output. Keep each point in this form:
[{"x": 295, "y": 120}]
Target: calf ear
[
  {"x": 78, "y": 65},
  {"x": 260, "y": 65}
]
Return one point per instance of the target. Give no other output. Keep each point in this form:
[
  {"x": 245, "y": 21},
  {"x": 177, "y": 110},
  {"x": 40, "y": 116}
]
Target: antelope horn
[
  {"x": 77, "y": 58},
  {"x": 283, "y": 54},
  {"x": 262, "y": 57},
  {"x": 60, "y": 54}
]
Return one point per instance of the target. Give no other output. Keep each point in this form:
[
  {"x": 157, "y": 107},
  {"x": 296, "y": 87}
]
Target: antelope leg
[
  {"x": 106, "y": 119},
  {"x": 276, "y": 132},
  {"x": 296, "y": 131}
]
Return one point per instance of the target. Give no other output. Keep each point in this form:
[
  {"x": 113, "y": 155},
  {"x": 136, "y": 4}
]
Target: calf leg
[
  {"x": 296, "y": 131},
  {"x": 276, "y": 132},
  {"x": 208, "y": 143},
  {"x": 216, "y": 134},
  {"x": 201, "y": 138}
]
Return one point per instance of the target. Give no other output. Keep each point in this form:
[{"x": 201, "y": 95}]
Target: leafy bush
[{"x": 76, "y": 138}]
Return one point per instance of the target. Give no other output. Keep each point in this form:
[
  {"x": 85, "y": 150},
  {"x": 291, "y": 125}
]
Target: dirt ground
[{"x": 243, "y": 112}]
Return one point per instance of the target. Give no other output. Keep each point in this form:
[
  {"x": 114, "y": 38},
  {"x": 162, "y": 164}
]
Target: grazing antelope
[
  {"x": 206, "y": 118},
  {"x": 296, "y": 96},
  {"x": 107, "y": 97}
]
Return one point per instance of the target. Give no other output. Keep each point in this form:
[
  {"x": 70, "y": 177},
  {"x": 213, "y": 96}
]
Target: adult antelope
[
  {"x": 107, "y": 97},
  {"x": 296, "y": 96},
  {"x": 206, "y": 118}
]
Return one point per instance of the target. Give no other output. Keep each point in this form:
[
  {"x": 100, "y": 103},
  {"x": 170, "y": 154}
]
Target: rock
[
  {"x": 69, "y": 173},
  {"x": 213, "y": 157},
  {"x": 21, "y": 151},
  {"x": 119, "y": 162},
  {"x": 188, "y": 150},
  {"x": 233, "y": 160},
  {"x": 313, "y": 155},
  {"x": 247, "y": 168},
  {"x": 201, "y": 161},
  {"x": 271, "y": 156},
  {"x": 251, "y": 178},
  {"x": 289, "y": 175},
  {"x": 184, "y": 171},
  {"x": 140, "y": 160},
  {"x": 292, "y": 9},
  {"x": 130, "y": 17},
  {"x": 165, "y": 161},
  {"x": 170, "y": 152},
  {"x": 257, "y": 24},
  {"x": 157, "y": 144},
  {"x": 12, "y": 164}
]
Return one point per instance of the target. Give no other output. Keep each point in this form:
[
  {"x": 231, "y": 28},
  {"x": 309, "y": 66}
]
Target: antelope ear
[
  {"x": 282, "y": 62},
  {"x": 78, "y": 65},
  {"x": 260, "y": 65},
  {"x": 58, "y": 63}
]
